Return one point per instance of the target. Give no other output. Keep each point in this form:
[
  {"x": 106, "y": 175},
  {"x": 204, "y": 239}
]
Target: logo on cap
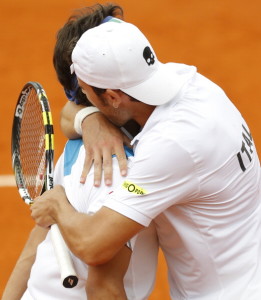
[{"x": 148, "y": 56}]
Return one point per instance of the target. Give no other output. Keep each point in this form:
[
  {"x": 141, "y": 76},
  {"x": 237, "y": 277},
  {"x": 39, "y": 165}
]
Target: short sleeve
[{"x": 162, "y": 174}]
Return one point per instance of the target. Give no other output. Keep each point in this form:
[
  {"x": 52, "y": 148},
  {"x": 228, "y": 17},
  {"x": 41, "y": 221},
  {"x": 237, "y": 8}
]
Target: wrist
[
  {"x": 63, "y": 211},
  {"x": 81, "y": 115},
  {"x": 58, "y": 202}
]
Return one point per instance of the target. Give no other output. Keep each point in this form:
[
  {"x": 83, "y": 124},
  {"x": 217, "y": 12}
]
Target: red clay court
[{"x": 221, "y": 38}]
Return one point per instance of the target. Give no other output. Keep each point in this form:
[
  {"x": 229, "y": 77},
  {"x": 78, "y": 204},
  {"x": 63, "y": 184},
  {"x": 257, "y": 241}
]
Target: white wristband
[{"x": 81, "y": 115}]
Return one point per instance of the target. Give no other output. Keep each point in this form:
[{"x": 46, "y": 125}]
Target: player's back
[
  {"x": 216, "y": 234},
  {"x": 86, "y": 198}
]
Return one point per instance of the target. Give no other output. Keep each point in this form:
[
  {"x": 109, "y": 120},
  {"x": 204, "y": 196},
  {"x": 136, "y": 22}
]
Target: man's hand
[
  {"x": 90, "y": 237},
  {"x": 44, "y": 209},
  {"x": 101, "y": 140}
]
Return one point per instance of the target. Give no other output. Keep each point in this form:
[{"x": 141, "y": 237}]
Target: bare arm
[
  {"x": 101, "y": 140},
  {"x": 96, "y": 242},
  {"x": 17, "y": 282},
  {"x": 106, "y": 281},
  {"x": 105, "y": 140},
  {"x": 67, "y": 119}
]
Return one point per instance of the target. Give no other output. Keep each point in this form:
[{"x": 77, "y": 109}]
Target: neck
[{"x": 142, "y": 112}]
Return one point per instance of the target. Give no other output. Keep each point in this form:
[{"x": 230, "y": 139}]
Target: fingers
[
  {"x": 97, "y": 169},
  {"x": 45, "y": 207},
  {"x": 98, "y": 160},
  {"x": 102, "y": 163},
  {"x": 122, "y": 160},
  {"x": 88, "y": 161},
  {"x": 102, "y": 140},
  {"x": 107, "y": 167},
  {"x": 40, "y": 219}
]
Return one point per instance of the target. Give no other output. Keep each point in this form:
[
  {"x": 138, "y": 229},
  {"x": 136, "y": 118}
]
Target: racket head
[{"x": 32, "y": 142}]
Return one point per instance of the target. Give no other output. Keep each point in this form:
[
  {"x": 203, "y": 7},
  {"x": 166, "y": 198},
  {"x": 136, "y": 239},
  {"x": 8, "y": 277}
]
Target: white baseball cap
[{"x": 116, "y": 55}]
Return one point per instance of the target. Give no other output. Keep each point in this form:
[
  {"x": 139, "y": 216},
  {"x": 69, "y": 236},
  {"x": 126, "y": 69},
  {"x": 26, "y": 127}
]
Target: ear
[{"x": 113, "y": 97}]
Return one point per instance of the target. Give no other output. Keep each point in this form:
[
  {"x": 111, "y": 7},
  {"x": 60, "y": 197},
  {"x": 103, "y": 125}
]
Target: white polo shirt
[
  {"x": 197, "y": 174},
  {"x": 45, "y": 282}
]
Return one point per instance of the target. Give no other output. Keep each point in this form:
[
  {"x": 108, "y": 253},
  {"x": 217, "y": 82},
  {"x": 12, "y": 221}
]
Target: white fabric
[
  {"x": 187, "y": 174},
  {"x": 45, "y": 283},
  {"x": 116, "y": 55}
]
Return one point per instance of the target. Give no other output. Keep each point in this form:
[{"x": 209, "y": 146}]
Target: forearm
[
  {"x": 67, "y": 119},
  {"x": 95, "y": 239},
  {"x": 17, "y": 282},
  {"x": 77, "y": 230}
]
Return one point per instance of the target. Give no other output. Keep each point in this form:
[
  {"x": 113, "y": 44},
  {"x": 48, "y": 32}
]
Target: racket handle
[{"x": 68, "y": 274}]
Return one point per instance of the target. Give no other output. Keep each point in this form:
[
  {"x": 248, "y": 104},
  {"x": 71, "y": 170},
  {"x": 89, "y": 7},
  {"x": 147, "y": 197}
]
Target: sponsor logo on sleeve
[{"x": 133, "y": 188}]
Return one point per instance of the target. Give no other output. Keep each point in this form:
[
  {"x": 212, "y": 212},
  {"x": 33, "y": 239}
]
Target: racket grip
[{"x": 68, "y": 273}]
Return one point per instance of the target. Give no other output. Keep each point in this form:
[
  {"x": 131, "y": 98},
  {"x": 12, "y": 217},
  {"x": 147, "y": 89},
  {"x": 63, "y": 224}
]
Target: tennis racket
[{"x": 32, "y": 160}]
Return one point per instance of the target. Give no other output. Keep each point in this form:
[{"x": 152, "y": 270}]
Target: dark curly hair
[{"x": 67, "y": 37}]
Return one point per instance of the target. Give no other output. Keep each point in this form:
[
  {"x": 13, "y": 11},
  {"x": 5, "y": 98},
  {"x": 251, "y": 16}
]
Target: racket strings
[{"x": 32, "y": 145}]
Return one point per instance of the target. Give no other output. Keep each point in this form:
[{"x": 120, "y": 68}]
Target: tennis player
[
  {"x": 106, "y": 281},
  {"x": 104, "y": 139},
  {"x": 195, "y": 172},
  {"x": 44, "y": 281}
]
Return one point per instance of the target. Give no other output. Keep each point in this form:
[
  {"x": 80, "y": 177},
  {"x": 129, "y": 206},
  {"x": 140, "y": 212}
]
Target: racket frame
[
  {"x": 49, "y": 139},
  {"x": 68, "y": 274}
]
